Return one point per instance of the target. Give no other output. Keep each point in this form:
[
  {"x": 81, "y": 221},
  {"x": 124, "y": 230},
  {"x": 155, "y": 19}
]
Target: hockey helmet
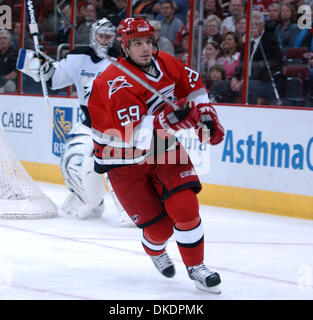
[
  {"x": 132, "y": 28},
  {"x": 122, "y": 25},
  {"x": 102, "y": 27}
]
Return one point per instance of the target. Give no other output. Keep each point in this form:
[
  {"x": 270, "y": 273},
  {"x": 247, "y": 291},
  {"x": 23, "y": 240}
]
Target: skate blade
[{"x": 214, "y": 289}]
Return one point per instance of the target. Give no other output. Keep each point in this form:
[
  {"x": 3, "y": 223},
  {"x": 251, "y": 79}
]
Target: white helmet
[{"x": 107, "y": 29}]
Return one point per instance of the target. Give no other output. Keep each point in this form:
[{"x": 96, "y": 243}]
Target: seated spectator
[
  {"x": 63, "y": 31},
  {"x": 273, "y": 17},
  {"x": 8, "y": 57},
  {"x": 262, "y": 5},
  {"x": 304, "y": 39},
  {"x": 216, "y": 74},
  {"x": 236, "y": 9},
  {"x": 208, "y": 59},
  {"x": 212, "y": 29},
  {"x": 185, "y": 29},
  {"x": 83, "y": 31},
  {"x": 143, "y": 7},
  {"x": 163, "y": 43},
  {"x": 170, "y": 24},
  {"x": 28, "y": 42},
  {"x": 181, "y": 8},
  {"x": 81, "y": 9},
  {"x": 226, "y": 91},
  {"x": 287, "y": 30},
  {"x": 98, "y": 4},
  {"x": 108, "y": 9},
  {"x": 212, "y": 7},
  {"x": 264, "y": 51},
  {"x": 231, "y": 53},
  {"x": 183, "y": 55},
  {"x": 121, "y": 7},
  {"x": 240, "y": 27}
]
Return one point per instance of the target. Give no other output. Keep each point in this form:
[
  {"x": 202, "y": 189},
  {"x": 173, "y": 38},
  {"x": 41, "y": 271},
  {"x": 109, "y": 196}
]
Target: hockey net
[{"x": 20, "y": 197}]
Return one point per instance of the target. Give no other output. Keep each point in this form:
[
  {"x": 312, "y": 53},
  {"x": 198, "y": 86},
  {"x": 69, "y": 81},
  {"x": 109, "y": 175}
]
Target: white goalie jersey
[{"x": 80, "y": 67}]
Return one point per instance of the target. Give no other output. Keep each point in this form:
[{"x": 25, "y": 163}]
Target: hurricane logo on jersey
[
  {"x": 116, "y": 84},
  {"x": 62, "y": 125}
]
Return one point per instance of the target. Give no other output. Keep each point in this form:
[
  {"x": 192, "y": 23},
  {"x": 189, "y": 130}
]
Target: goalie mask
[{"x": 102, "y": 35}]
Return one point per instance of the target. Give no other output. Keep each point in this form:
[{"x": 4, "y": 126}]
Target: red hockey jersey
[{"x": 122, "y": 111}]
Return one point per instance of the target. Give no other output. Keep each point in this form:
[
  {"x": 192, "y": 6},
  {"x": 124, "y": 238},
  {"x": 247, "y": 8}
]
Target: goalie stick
[
  {"x": 33, "y": 28},
  {"x": 125, "y": 220}
]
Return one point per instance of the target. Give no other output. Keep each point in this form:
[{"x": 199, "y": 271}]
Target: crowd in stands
[{"x": 281, "y": 53}]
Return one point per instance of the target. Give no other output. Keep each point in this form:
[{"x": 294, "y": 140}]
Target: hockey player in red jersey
[{"x": 134, "y": 139}]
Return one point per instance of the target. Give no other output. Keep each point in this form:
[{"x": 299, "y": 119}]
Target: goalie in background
[{"x": 80, "y": 67}]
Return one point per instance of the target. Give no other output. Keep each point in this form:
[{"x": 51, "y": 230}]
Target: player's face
[
  {"x": 104, "y": 38},
  {"x": 140, "y": 51}
]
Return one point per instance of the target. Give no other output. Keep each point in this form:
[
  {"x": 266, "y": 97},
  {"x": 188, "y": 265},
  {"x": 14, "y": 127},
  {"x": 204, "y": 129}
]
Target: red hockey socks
[
  {"x": 183, "y": 208},
  {"x": 154, "y": 238}
]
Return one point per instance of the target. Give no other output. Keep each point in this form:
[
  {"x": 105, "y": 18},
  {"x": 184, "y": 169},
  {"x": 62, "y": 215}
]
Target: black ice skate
[
  {"x": 204, "y": 278},
  {"x": 164, "y": 264}
]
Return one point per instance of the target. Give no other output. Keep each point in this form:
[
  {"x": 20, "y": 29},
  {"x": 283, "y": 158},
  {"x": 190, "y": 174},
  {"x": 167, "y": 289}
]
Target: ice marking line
[
  {"x": 72, "y": 239},
  {"x": 209, "y": 241},
  {"x": 63, "y": 294},
  {"x": 144, "y": 254}
]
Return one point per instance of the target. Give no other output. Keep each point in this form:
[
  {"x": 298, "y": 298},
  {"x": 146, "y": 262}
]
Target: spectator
[
  {"x": 185, "y": 29},
  {"x": 83, "y": 31},
  {"x": 98, "y": 4},
  {"x": 28, "y": 43},
  {"x": 163, "y": 43},
  {"x": 240, "y": 26},
  {"x": 273, "y": 17},
  {"x": 212, "y": 29},
  {"x": 81, "y": 11},
  {"x": 212, "y": 7},
  {"x": 226, "y": 91},
  {"x": 287, "y": 30},
  {"x": 144, "y": 7},
  {"x": 63, "y": 33},
  {"x": 181, "y": 8},
  {"x": 231, "y": 53},
  {"x": 305, "y": 37},
  {"x": 236, "y": 9},
  {"x": 183, "y": 55},
  {"x": 217, "y": 73},
  {"x": 108, "y": 8},
  {"x": 264, "y": 49},
  {"x": 208, "y": 59},
  {"x": 121, "y": 7},
  {"x": 170, "y": 24},
  {"x": 8, "y": 57},
  {"x": 263, "y": 5}
]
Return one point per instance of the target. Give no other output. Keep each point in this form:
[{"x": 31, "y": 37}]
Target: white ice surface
[{"x": 258, "y": 256}]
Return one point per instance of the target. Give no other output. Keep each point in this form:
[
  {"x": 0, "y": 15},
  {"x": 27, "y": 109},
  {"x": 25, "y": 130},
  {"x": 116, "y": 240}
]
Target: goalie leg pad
[{"x": 77, "y": 168}]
